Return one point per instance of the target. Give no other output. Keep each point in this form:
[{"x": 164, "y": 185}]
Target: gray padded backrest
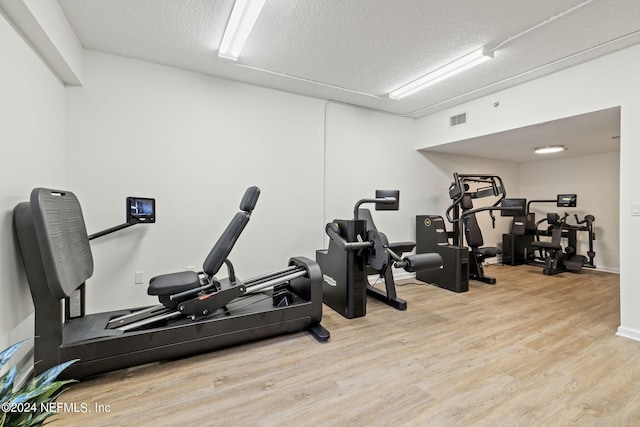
[
  {"x": 248, "y": 202},
  {"x": 227, "y": 240},
  {"x": 62, "y": 239}
]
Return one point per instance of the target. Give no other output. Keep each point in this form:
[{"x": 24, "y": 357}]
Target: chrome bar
[
  {"x": 135, "y": 313},
  {"x": 261, "y": 278},
  {"x": 150, "y": 320},
  {"x": 276, "y": 281}
]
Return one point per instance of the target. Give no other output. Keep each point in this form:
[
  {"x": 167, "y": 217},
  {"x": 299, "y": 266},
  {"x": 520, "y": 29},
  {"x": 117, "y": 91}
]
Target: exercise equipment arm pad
[{"x": 421, "y": 262}]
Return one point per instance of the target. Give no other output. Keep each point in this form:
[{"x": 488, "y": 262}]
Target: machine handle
[
  {"x": 589, "y": 219},
  {"x": 385, "y": 200},
  {"x": 333, "y": 231}
]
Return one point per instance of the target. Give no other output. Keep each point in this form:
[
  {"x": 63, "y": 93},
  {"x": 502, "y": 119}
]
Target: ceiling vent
[{"x": 460, "y": 119}]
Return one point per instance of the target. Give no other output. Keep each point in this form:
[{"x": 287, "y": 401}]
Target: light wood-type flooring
[{"x": 532, "y": 350}]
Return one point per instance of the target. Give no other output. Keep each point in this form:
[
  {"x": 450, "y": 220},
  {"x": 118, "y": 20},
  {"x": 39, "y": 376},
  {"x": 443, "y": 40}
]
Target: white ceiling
[
  {"x": 586, "y": 134},
  {"x": 357, "y": 51}
]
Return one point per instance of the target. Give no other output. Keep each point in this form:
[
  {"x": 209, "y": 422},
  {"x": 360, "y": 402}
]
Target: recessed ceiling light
[{"x": 549, "y": 149}]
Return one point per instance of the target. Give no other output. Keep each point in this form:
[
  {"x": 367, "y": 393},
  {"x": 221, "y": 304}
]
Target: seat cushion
[
  {"x": 546, "y": 245},
  {"x": 488, "y": 252},
  {"x": 173, "y": 283}
]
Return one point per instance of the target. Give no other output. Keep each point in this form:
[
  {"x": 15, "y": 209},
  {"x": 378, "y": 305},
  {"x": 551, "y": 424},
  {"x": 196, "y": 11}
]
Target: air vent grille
[{"x": 458, "y": 120}]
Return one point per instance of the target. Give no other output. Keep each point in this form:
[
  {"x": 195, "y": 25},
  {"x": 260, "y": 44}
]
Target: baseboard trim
[
  {"x": 608, "y": 269},
  {"x": 632, "y": 334}
]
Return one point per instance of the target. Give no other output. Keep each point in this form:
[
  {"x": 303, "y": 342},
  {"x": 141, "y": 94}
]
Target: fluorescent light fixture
[
  {"x": 471, "y": 60},
  {"x": 549, "y": 149},
  {"x": 243, "y": 18}
]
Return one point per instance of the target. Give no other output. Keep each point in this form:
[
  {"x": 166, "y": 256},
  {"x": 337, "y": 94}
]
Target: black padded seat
[
  {"x": 488, "y": 252},
  {"x": 547, "y": 245},
  {"x": 173, "y": 283}
]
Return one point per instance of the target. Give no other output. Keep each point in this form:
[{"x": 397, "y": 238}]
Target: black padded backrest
[
  {"x": 553, "y": 218},
  {"x": 472, "y": 231},
  {"x": 227, "y": 240},
  {"x": 365, "y": 214},
  {"x": 63, "y": 245},
  {"x": 466, "y": 203},
  {"x": 556, "y": 230}
]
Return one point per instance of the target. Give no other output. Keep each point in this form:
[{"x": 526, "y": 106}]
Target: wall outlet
[
  {"x": 139, "y": 277},
  {"x": 190, "y": 268}
]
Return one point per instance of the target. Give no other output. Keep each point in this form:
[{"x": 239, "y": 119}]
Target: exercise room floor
[{"x": 532, "y": 350}]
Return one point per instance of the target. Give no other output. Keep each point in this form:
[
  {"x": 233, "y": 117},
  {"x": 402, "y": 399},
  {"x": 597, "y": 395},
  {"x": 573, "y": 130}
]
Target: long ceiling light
[
  {"x": 243, "y": 18},
  {"x": 471, "y": 60}
]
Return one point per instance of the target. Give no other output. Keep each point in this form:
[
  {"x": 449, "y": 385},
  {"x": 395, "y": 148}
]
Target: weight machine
[
  {"x": 462, "y": 263},
  {"x": 198, "y": 312},
  {"x": 523, "y": 243},
  {"x": 356, "y": 250}
]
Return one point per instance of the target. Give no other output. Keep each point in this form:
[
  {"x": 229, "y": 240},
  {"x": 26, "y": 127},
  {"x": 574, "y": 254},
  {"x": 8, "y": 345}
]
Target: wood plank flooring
[{"x": 532, "y": 350}]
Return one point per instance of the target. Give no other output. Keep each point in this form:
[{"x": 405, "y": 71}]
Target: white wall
[
  {"x": 368, "y": 151},
  {"x": 596, "y": 181},
  {"x": 195, "y": 143},
  {"x": 606, "y": 82},
  {"x": 32, "y": 138}
]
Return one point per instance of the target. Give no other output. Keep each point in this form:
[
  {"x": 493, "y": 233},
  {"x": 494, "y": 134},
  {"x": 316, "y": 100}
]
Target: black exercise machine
[
  {"x": 558, "y": 258},
  {"x": 356, "y": 250},
  {"x": 523, "y": 244},
  {"x": 462, "y": 263},
  {"x": 198, "y": 312},
  {"x": 432, "y": 236}
]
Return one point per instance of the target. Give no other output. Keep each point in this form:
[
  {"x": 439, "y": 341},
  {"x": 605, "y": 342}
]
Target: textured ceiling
[{"x": 356, "y": 51}]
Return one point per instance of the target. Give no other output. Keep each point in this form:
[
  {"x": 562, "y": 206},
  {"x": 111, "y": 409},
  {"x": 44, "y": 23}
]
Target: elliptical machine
[{"x": 356, "y": 250}]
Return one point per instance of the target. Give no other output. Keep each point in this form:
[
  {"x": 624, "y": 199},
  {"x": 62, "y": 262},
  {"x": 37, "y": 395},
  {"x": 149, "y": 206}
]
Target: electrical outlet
[
  {"x": 139, "y": 277},
  {"x": 190, "y": 268}
]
